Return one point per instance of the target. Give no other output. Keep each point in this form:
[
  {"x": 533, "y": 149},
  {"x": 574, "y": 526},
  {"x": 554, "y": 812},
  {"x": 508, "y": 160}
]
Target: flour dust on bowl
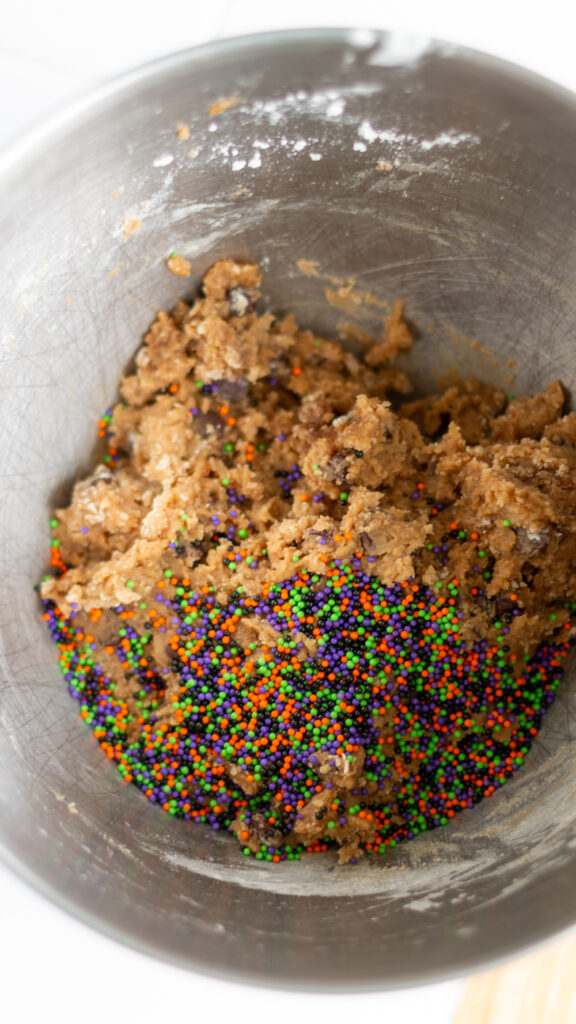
[{"x": 357, "y": 168}]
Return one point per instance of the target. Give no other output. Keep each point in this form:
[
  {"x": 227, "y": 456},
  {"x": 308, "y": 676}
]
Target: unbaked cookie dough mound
[{"x": 288, "y": 611}]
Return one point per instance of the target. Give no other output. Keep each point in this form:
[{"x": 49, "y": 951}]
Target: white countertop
[{"x": 53, "y": 967}]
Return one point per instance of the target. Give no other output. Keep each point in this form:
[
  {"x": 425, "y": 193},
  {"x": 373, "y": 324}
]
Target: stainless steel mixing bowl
[{"x": 420, "y": 171}]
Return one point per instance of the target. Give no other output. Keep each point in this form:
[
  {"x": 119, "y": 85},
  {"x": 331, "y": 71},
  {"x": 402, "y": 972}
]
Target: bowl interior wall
[{"x": 428, "y": 174}]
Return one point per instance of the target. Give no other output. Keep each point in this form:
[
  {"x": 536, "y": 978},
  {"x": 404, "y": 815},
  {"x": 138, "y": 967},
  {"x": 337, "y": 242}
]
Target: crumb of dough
[
  {"x": 179, "y": 265},
  {"x": 295, "y": 612},
  {"x": 398, "y": 338},
  {"x": 227, "y": 103},
  {"x": 129, "y": 226},
  {"x": 183, "y": 131}
]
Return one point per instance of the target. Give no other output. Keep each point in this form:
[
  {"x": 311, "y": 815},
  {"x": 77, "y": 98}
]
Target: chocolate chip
[
  {"x": 503, "y": 605},
  {"x": 318, "y": 534},
  {"x": 264, "y": 831},
  {"x": 232, "y": 390},
  {"x": 208, "y": 422},
  {"x": 336, "y": 469}
]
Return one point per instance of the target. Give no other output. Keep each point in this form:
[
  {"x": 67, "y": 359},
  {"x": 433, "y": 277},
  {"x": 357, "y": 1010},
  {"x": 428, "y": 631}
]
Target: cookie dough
[{"x": 294, "y": 611}]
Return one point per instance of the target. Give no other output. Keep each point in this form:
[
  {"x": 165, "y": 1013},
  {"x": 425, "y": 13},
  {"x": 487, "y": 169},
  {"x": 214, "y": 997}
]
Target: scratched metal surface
[{"x": 419, "y": 171}]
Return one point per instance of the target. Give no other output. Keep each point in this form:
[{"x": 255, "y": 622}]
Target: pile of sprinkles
[
  {"x": 431, "y": 725},
  {"x": 290, "y": 613}
]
